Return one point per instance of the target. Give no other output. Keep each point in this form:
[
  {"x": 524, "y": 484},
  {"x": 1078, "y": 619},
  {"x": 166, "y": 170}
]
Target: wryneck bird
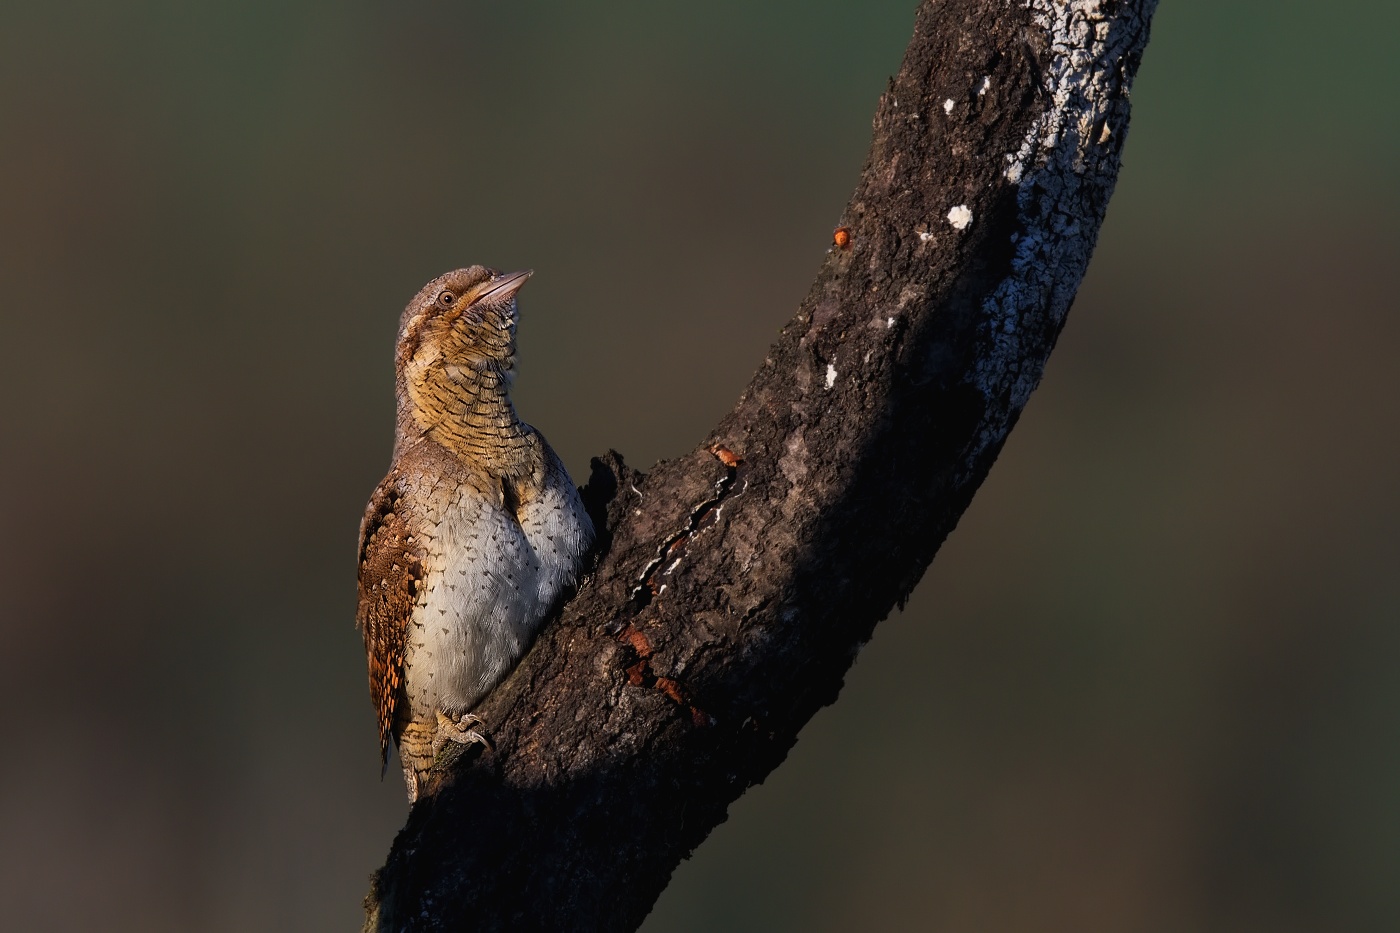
[{"x": 475, "y": 532}]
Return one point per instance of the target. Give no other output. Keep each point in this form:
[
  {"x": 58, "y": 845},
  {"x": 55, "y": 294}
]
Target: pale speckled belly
[{"x": 481, "y": 603}]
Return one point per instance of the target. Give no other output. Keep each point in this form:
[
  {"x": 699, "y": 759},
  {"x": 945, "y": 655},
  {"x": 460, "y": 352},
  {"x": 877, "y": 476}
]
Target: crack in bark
[{"x": 673, "y": 547}]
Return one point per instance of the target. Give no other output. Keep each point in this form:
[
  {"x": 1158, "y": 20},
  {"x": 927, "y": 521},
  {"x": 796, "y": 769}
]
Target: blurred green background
[{"x": 1152, "y": 682}]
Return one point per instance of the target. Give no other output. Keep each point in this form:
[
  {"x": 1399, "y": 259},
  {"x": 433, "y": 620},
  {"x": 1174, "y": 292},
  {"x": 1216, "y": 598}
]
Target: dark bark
[{"x": 729, "y": 600}]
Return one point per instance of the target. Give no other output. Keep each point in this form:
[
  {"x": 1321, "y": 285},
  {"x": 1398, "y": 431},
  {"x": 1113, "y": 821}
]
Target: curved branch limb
[{"x": 736, "y": 585}]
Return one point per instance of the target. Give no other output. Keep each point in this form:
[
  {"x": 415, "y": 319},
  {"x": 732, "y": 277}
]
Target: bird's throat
[{"x": 468, "y": 411}]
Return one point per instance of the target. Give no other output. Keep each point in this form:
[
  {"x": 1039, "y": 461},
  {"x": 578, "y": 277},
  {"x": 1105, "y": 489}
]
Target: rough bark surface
[{"x": 730, "y": 598}]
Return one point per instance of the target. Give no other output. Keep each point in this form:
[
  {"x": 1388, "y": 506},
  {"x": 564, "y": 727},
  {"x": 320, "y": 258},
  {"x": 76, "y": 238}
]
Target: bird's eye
[{"x": 447, "y": 298}]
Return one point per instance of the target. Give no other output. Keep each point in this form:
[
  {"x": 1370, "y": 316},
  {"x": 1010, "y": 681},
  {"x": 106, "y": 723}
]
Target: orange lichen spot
[
  {"x": 637, "y": 641},
  {"x": 672, "y": 689},
  {"x": 726, "y": 456},
  {"x": 842, "y": 238}
]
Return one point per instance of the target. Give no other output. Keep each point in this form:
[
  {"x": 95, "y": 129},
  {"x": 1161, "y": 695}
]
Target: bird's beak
[{"x": 503, "y": 286}]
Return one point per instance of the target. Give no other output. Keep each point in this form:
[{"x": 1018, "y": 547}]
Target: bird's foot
[{"x": 459, "y": 729}]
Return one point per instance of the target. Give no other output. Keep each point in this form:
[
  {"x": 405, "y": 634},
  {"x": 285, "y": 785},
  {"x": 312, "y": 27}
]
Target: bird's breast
[
  {"x": 475, "y": 608},
  {"x": 490, "y": 578}
]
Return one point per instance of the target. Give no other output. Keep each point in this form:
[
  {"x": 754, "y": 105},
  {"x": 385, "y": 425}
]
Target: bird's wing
[{"x": 391, "y": 570}]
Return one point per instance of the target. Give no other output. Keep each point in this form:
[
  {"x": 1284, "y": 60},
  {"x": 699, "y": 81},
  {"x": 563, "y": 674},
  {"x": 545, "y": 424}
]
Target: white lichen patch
[
  {"x": 986, "y": 86},
  {"x": 960, "y": 217},
  {"x": 830, "y": 375},
  {"x": 948, "y": 105},
  {"x": 889, "y": 322},
  {"x": 925, "y": 236},
  {"x": 1064, "y": 176}
]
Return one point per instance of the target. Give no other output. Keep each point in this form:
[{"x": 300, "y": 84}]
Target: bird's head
[{"x": 460, "y": 324}]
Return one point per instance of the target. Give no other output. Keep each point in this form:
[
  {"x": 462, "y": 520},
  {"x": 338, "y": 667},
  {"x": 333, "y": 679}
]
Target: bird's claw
[{"x": 459, "y": 729}]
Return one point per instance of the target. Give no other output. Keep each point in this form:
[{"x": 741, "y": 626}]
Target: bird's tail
[{"x": 416, "y": 753}]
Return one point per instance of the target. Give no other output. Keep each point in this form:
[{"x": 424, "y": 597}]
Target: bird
[{"x": 475, "y": 532}]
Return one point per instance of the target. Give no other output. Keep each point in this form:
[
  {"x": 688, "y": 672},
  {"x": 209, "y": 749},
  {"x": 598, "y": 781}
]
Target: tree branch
[{"x": 731, "y": 596}]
